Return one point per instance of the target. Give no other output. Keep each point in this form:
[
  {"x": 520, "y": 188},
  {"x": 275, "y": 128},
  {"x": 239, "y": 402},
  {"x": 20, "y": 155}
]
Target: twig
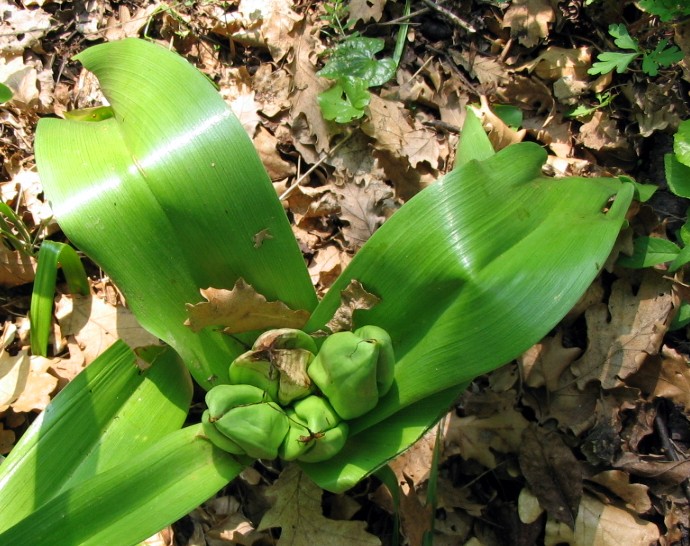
[
  {"x": 669, "y": 448},
  {"x": 450, "y": 16},
  {"x": 311, "y": 169}
]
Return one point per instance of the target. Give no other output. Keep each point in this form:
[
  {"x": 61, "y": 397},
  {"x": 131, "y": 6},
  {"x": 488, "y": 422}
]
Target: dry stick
[
  {"x": 311, "y": 169},
  {"x": 669, "y": 448},
  {"x": 450, "y": 16}
]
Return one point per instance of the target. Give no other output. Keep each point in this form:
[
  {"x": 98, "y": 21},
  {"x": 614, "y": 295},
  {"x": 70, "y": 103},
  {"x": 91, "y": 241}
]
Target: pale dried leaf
[
  {"x": 22, "y": 29},
  {"x": 622, "y": 334},
  {"x": 39, "y": 385},
  {"x": 327, "y": 265},
  {"x": 529, "y": 20},
  {"x": 16, "y": 268},
  {"x": 601, "y": 133},
  {"x": 352, "y": 298},
  {"x": 500, "y": 134},
  {"x": 394, "y": 130},
  {"x": 600, "y": 524},
  {"x": 297, "y": 511},
  {"x": 478, "y": 439},
  {"x": 529, "y": 509},
  {"x": 96, "y": 325},
  {"x": 267, "y": 146},
  {"x": 125, "y": 25},
  {"x": 14, "y": 376},
  {"x": 366, "y": 10},
  {"x": 306, "y": 86},
  {"x": 666, "y": 375},
  {"x": 241, "y": 309},
  {"x": 272, "y": 87},
  {"x": 543, "y": 363},
  {"x": 635, "y": 495}
]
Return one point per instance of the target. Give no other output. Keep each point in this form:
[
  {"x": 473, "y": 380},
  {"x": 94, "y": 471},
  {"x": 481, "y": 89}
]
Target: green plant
[
  {"x": 603, "y": 100},
  {"x": 168, "y": 195},
  {"x": 353, "y": 66},
  {"x": 5, "y": 93},
  {"x": 666, "y": 10},
  {"x": 662, "y": 55},
  {"x": 654, "y": 251}
]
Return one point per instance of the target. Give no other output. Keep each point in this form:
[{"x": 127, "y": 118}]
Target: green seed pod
[
  {"x": 316, "y": 431},
  {"x": 345, "y": 372},
  {"x": 243, "y": 415},
  {"x": 385, "y": 366},
  {"x": 252, "y": 368},
  {"x": 217, "y": 438},
  {"x": 327, "y": 444},
  {"x": 298, "y": 439}
]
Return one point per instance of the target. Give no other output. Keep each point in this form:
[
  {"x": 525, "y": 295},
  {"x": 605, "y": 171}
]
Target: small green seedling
[
  {"x": 355, "y": 69},
  {"x": 662, "y": 55},
  {"x": 603, "y": 100}
]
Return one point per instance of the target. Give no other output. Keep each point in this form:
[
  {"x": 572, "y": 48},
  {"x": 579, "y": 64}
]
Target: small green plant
[
  {"x": 603, "y": 100},
  {"x": 662, "y": 55},
  {"x": 654, "y": 251},
  {"x": 339, "y": 385},
  {"x": 666, "y": 10},
  {"x": 353, "y": 66}
]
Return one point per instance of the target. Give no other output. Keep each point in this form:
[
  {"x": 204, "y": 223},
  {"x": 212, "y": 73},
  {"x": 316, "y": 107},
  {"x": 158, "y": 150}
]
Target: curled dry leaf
[
  {"x": 635, "y": 495},
  {"x": 543, "y": 363},
  {"x": 16, "y": 268},
  {"x": 352, "y": 298},
  {"x": 241, "y": 309},
  {"x": 666, "y": 375}
]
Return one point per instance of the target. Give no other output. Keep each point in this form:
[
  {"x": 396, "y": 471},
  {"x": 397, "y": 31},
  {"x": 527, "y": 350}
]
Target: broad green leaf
[
  {"x": 680, "y": 260},
  {"x": 50, "y": 256},
  {"x": 509, "y": 114},
  {"x": 134, "y": 500},
  {"x": 648, "y": 252},
  {"x": 682, "y": 317},
  {"x": 354, "y": 58},
  {"x": 681, "y": 142},
  {"x": 108, "y": 413},
  {"x": 344, "y": 101},
  {"x": 500, "y": 252},
  {"x": 474, "y": 143},
  {"x": 677, "y": 176},
  {"x": 666, "y": 9},
  {"x": 5, "y": 93},
  {"x": 167, "y": 196}
]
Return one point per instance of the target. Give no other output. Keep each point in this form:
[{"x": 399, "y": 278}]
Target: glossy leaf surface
[
  {"x": 106, "y": 414},
  {"x": 133, "y": 500},
  {"x": 167, "y": 196}
]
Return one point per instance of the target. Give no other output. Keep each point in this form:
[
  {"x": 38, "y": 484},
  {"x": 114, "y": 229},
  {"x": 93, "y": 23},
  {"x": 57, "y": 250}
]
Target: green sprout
[{"x": 662, "y": 55}]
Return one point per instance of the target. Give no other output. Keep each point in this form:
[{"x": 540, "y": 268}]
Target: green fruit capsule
[
  {"x": 217, "y": 438},
  {"x": 326, "y": 444},
  {"x": 251, "y": 368},
  {"x": 298, "y": 439},
  {"x": 242, "y": 414},
  {"x": 316, "y": 413},
  {"x": 345, "y": 372},
  {"x": 385, "y": 366}
]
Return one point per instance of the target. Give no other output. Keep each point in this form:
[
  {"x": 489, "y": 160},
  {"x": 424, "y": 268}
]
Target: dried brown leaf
[
  {"x": 38, "y": 387},
  {"x": 267, "y": 146},
  {"x": 634, "y": 495},
  {"x": 241, "y": 309},
  {"x": 362, "y": 206},
  {"x": 352, "y": 298},
  {"x": 366, "y": 10},
  {"x": 553, "y": 473},
  {"x": 478, "y": 439},
  {"x": 666, "y": 375},
  {"x": 297, "y": 511},
  {"x": 622, "y": 334},
  {"x": 7, "y": 439},
  {"x": 394, "y": 130},
  {"x": 327, "y": 264},
  {"x": 96, "y": 325},
  {"x": 529, "y": 20},
  {"x": 543, "y": 364},
  {"x": 16, "y": 268}
]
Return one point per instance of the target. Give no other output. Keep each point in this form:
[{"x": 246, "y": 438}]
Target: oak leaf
[
  {"x": 352, "y": 298},
  {"x": 362, "y": 206},
  {"x": 241, "y": 309},
  {"x": 622, "y": 334},
  {"x": 297, "y": 511},
  {"x": 529, "y": 20}
]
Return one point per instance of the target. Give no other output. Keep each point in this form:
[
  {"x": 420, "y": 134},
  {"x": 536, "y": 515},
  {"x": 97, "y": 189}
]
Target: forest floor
[{"x": 584, "y": 439}]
